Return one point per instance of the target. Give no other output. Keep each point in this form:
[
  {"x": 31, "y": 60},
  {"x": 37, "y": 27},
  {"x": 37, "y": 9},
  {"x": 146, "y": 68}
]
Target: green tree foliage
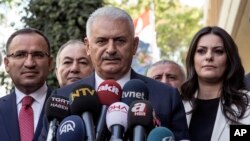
[
  {"x": 60, "y": 20},
  {"x": 5, "y": 4},
  {"x": 175, "y": 24}
]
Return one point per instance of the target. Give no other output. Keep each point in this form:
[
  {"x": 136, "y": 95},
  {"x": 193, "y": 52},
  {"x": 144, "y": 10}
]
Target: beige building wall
[{"x": 234, "y": 17}]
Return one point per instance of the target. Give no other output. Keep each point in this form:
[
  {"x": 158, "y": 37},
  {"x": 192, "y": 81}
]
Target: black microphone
[
  {"x": 135, "y": 89},
  {"x": 56, "y": 108},
  {"x": 161, "y": 134},
  {"x": 71, "y": 128},
  {"x": 116, "y": 120},
  {"x": 140, "y": 119},
  {"x": 84, "y": 102},
  {"x": 109, "y": 91}
]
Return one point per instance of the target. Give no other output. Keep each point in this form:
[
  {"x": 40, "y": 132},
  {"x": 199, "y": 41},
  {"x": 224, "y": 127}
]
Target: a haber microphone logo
[
  {"x": 139, "y": 109},
  {"x": 108, "y": 87},
  {"x": 67, "y": 127}
]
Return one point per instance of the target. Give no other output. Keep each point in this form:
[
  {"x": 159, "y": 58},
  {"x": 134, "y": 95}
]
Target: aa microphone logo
[
  {"x": 68, "y": 126},
  {"x": 139, "y": 109}
]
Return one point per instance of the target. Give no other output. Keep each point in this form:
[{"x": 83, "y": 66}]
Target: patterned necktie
[{"x": 26, "y": 119}]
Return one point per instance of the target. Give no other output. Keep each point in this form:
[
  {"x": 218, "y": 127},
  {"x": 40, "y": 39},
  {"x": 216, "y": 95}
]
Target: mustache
[{"x": 111, "y": 57}]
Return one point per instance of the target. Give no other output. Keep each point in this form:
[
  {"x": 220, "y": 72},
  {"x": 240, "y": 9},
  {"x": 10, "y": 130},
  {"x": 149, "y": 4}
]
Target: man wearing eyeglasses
[{"x": 28, "y": 62}]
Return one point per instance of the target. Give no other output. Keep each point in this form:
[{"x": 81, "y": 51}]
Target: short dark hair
[{"x": 26, "y": 31}]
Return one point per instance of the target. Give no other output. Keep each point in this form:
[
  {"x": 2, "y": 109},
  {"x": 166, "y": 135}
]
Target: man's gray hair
[
  {"x": 70, "y": 42},
  {"x": 110, "y": 12},
  {"x": 165, "y": 61}
]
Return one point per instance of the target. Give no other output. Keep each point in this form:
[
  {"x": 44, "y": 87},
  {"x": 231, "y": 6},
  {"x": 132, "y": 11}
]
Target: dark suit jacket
[
  {"x": 165, "y": 100},
  {"x": 9, "y": 130},
  {"x": 247, "y": 80}
]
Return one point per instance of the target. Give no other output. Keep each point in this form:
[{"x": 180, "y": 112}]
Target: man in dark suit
[
  {"x": 28, "y": 63},
  {"x": 247, "y": 81},
  {"x": 111, "y": 45}
]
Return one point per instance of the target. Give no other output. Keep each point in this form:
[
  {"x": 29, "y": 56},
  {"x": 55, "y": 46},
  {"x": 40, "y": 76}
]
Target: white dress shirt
[
  {"x": 39, "y": 97},
  {"x": 121, "y": 81}
]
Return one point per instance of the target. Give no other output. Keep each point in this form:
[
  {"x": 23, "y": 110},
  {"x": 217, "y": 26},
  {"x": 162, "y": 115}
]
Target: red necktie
[{"x": 26, "y": 119}]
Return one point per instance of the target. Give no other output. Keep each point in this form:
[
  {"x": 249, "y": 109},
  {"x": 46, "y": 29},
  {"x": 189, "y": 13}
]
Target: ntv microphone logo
[
  {"x": 67, "y": 127},
  {"x": 85, "y": 91}
]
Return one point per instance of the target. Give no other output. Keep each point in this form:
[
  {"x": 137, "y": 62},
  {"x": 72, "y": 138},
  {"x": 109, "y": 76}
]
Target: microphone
[
  {"x": 160, "y": 134},
  {"x": 71, "y": 128},
  {"x": 109, "y": 91},
  {"x": 135, "y": 89},
  {"x": 84, "y": 102},
  {"x": 140, "y": 119},
  {"x": 116, "y": 120},
  {"x": 56, "y": 108}
]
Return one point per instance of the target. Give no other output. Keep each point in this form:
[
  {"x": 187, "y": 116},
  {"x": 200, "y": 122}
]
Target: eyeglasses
[{"x": 24, "y": 54}]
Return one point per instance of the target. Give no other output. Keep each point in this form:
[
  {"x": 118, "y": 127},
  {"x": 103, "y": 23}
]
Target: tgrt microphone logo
[
  {"x": 67, "y": 127},
  {"x": 59, "y": 103},
  {"x": 139, "y": 109},
  {"x": 110, "y": 88}
]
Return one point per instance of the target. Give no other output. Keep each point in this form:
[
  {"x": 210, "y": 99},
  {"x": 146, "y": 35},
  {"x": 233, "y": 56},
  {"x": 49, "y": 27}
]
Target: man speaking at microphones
[{"x": 111, "y": 43}]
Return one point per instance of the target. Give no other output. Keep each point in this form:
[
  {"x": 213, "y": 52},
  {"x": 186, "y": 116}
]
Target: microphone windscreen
[
  {"x": 57, "y": 107},
  {"x": 134, "y": 89},
  {"x": 117, "y": 115},
  {"x": 71, "y": 128},
  {"x": 109, "y": 91},
  {"x": 84, "y": 99},
  {"x": 140, "y": 113},
  {"x": 160, "y": 134}
]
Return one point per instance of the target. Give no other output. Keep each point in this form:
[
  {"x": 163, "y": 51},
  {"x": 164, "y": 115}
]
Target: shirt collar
[
  {"x": 38, "y": 95},
  {"x": 120, "y": 81}
]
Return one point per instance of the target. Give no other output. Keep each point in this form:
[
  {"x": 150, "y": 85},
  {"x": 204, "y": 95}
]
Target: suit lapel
[
  {"x": 219, "y": 125},
  {"x": 10, "y": 116},
  {"x": 40, "y": 122},
  {"x": 188, "y": 108}
]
